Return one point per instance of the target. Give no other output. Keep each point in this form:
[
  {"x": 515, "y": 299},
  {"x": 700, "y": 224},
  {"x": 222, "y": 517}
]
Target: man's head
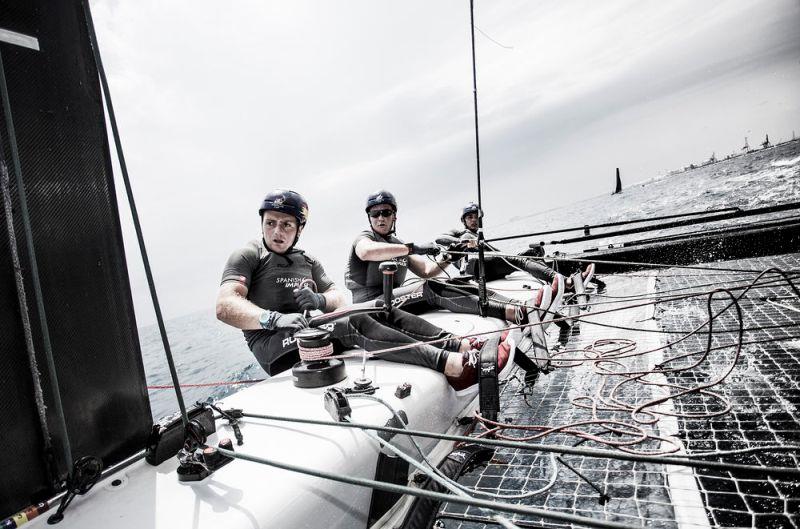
[
  {"x": 382, "y": 212},
  {"x": 283, "y": 216},
  {"x": 469, "y": 216}
]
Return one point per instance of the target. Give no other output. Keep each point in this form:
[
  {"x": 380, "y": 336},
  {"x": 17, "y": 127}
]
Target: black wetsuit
[
  {"x": 496, "y": 267},
  {"x": 365, "y": 281},
  {"x": 271, "y": 278}
]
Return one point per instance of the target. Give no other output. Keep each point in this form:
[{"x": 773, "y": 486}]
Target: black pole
[
  {"x": 124, "y": 170},
  {"x": 59, "y": 418},
  {"x": 484, "y": 303}
]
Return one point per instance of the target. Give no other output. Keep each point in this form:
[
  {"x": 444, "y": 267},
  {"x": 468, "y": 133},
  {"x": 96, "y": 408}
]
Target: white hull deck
[{"x": 246, "y": 495}]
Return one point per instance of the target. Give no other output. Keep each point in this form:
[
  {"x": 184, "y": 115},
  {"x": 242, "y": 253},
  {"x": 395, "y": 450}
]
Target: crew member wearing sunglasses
[{"x": 379, "y": 244}]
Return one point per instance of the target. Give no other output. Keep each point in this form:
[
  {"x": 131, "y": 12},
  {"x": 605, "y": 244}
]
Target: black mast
[{"x": 481, "y": 259}]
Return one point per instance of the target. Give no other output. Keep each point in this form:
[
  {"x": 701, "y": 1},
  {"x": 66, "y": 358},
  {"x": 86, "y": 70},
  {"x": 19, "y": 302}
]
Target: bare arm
[
  {"x": 368, "y": 250},
  {"x": 235, "y": 309},
  {"x": 424, "y": 268},
  {"x": 333, "y": 299}
]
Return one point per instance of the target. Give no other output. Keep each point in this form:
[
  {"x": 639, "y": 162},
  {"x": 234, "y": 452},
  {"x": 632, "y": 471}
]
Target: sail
[{"x": 60, "y": 137}]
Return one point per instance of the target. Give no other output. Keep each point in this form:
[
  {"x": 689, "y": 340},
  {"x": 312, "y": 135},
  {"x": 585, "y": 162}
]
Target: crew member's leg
[
  {"x": 499, "y": 267},
  {"x": 371, "y": 334},
  {"x": 464, "y": 300},
  {"x": 275, "y": 353}
]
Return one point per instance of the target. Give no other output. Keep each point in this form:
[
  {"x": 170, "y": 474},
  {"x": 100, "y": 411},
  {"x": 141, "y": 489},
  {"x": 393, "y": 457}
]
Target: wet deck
[{"x": 763, "y": 389}]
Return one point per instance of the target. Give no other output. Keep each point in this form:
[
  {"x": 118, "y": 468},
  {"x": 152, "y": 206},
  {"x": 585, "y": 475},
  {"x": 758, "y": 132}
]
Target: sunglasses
[{"x": 381, "y": 213}]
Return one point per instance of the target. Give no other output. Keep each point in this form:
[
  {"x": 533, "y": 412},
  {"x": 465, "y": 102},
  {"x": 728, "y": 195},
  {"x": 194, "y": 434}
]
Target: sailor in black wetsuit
[
  {"x": 466, "y": 240},
  {"x": 378, "y": 244},
  {"x": 266, "y": 285}
]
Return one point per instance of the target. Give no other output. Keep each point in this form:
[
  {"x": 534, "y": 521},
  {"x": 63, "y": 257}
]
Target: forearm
[
  {"x": 424, "y": 268},
  {"x": 239, "y": 312},
  {"x": 379, "y": 251},
  {"x": 333, "y": 300}
]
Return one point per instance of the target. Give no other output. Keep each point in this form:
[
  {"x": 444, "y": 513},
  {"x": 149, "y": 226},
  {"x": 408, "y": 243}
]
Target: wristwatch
[{"x": 264, "y": 320}]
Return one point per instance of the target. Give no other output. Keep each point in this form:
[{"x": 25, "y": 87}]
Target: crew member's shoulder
[
  {"x": 366, "y": 234},
  {"x": 305, "y": 255},
  {"x": 456, "y": 232},
  {"x": 253, "y": 248}
]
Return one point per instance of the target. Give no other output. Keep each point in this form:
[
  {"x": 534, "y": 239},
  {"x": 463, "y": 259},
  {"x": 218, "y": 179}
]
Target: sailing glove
[
  {"x": 307, "y": 299},
  {"x": 423, "y": 249},
  {"x": 293, "y": 322}
]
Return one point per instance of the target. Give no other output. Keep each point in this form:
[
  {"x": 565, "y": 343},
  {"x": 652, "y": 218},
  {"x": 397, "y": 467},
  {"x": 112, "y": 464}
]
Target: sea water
[{"x": 207, "y": 351}]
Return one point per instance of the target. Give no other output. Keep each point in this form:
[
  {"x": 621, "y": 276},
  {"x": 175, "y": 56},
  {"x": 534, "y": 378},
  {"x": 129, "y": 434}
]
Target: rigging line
[
  {"x": 22, "y": 299},
  {"x": 589, "y": 259},
  {"x": 59, "y": 419},
  {"x": 134, "y": 213},
  {"x": 773, "y": 302},
  {"x": 616, "y": 223},
  {"x": 379, "y": 353},
  {"x": 680, "y": 223},
  {"x": 558, "y": 449},
  {"x": 483, "y": 301},
  {"x": 441, "y": 475},
  {"x": 771, "y": 223},
  {"x": 657, "y": 296},
  {"x": 493, "y": 40},
  {"x": 687, "y": 222},
  {"x": 423, "y": 493},
  {"x": 556, "y": 357}
]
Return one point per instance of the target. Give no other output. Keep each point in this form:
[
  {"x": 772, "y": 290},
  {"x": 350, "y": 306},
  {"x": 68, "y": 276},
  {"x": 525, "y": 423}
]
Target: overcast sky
[{"x": 218, "y": 102}]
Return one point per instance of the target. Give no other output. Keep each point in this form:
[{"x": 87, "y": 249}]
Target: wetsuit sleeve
[
  {"x": 240, "y": 267},
  {"x": 364, "y": 235},
  {"x": 448, "y": 238}
]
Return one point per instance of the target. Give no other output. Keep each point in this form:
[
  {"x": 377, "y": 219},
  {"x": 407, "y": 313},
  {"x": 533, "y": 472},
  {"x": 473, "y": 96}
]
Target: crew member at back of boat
[
  {"x": 466, "y": 240},
  {"x": 269, "y": 283}
]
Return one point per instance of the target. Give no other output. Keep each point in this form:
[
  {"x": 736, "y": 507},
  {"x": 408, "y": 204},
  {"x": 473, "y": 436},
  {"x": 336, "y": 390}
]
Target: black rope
[
  {"x": 687, "y": 222},
  {"x": 124, "y": 169},
  {"x": 589, "y": 259},
  {"x": 617, "y": 223},
  {"x": 429, "y": 494},
  {"x": 59, "y": 419},
  {"x": 558, "y": 449}
]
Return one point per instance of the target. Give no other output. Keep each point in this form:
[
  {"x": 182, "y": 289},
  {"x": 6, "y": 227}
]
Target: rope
[
  {"x": 112, "y": 118},
  {"x": 60, "y": 421},
  {"x": 628, "y": 263},
  {"x": 311, "y": 354},
  {"x": 687, "y": 461},
  {"x": 22, "y": 299}
]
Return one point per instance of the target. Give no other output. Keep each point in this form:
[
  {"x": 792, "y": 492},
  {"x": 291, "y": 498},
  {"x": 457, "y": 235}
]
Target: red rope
[{"x": 210, "y": 384}]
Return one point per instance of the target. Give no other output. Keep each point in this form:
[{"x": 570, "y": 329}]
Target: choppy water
[{"x": 206, "y": 350}]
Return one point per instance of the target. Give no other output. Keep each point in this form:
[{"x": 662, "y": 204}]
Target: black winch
[{"x": 315, "y": 371}]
